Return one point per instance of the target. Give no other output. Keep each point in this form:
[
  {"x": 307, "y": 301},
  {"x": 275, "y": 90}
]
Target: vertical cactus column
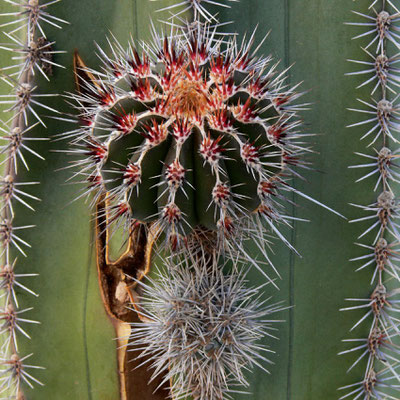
[
  {"x": 32, "y": 55},
  {"x": 379, "y": 351},
  {"x": 59, "y": 260}
]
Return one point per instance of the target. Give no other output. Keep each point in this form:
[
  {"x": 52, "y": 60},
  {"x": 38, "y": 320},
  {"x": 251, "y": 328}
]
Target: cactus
[
  {"x": 192, "y": 143},
  {"x": 33, "y": 54},
  {"x": 190, "y": 135},
  {"x": 186, "y": 211},
  {"x": 380, "y": 348}
]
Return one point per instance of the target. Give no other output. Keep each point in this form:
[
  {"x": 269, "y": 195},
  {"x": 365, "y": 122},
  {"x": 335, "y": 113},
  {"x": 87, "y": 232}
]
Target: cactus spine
[
  {"x": 380, "y": 350},
  {"x": 32, "y": 53}
]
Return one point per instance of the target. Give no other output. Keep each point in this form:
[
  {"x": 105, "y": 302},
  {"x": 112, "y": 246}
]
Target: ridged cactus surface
[
  {"x": 378, "y": 351},
  {"x": 136, "y": 140},
  {"x": 192, "y": 132}
]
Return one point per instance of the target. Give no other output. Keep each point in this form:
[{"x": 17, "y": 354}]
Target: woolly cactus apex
[{"x": 201, "y": 328}]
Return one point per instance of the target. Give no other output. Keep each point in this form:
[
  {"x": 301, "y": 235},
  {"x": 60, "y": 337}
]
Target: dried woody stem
[
  {"x": 33, "y": 54},
  {"x": 380, "y": 350}
]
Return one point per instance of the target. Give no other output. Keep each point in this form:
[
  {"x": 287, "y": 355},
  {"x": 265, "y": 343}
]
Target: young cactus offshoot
[{"x": 201, "y": 327}]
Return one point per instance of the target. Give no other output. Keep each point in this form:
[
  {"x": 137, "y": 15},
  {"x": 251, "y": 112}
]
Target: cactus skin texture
[{"x": 307, "y": 366}]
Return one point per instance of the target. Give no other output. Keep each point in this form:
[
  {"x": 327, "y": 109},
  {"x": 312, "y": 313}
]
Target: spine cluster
[
  {"x": 32, "y": 55},
  {"x": 380, "y": 350}
]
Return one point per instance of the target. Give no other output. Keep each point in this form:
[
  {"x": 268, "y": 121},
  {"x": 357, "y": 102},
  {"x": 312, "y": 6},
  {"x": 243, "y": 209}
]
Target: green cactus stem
[
  {"x": 379, "y": 351},
  {"x": 32, "y": 55}
]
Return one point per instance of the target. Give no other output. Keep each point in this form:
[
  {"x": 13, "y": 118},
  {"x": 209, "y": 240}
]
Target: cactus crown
[{"x": 192, "y": 132}]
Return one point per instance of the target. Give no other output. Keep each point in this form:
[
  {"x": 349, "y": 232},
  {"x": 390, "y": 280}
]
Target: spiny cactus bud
[
  {"x": 202, "y": 328},
  {"x": 189, "y": 133}
]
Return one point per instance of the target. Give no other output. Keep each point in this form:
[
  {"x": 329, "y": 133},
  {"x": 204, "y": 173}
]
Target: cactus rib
[
  {"x": 33, "y": 54},
  {"x": 380, "y": 351}
]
